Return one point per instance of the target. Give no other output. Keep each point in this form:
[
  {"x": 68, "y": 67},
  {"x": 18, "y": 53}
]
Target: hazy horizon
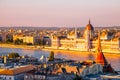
[{"x": 59, "y": 13}]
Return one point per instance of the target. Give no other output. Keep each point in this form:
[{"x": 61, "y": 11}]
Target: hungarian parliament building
[{"x": 87, "y": 42}]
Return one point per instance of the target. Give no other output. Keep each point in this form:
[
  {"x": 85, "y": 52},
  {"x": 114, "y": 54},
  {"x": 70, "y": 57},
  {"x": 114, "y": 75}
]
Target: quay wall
[{"x": 55, "y": 48}]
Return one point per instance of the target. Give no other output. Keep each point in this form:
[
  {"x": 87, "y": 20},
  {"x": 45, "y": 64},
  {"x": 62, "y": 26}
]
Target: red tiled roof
[
  {"x": 15, "y": 71},
  {"x": 100, "y": 58}
]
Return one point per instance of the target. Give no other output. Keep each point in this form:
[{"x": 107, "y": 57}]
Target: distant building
[
  {"x": 20, "y": 31},
  {"x": 27, "y": 39},
  {"x": 82, "y": 70},
  {"x": 2, "y": 37},
  {"x": 105, "y": 35},
  {"x": 46, "y": 41},
  {"x": 72, "y": 34},
  {"x": 87, "y": 42},
  {"x": 37, "y": 75},
  {"x": 6, "y": 37}
]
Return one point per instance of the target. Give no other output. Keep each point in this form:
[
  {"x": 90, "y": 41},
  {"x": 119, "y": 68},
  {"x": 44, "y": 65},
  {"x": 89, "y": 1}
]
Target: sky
[{"x": 59, "y": 13}]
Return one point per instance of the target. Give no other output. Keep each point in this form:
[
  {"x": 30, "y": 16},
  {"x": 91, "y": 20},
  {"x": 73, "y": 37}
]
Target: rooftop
[{"x": 16, "y": 70}]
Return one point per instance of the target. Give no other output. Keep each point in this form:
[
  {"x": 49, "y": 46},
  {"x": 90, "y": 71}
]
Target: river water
[{"x": 113, "y": 59}]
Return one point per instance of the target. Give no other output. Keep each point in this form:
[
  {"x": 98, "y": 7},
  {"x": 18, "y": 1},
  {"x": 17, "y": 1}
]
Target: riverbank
[
  {"x": 80, "y": 52},
  {"x": 53, "y": 49},
  {"x": 18, "y": 46}
]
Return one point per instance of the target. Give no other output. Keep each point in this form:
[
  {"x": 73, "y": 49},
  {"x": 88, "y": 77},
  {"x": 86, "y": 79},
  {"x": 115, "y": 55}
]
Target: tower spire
[
  {"x": 89, "y": 20},
  {"x": 100, "y": 58}
]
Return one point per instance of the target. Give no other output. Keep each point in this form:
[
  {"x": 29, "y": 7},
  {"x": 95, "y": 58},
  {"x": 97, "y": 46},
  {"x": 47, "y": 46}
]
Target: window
[
  {"x": 26, "y": 76},
  {"x": 1, "y": 77},
  {"x": 10, "y": 78}
]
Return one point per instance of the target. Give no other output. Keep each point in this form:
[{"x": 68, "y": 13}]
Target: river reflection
[{"x": 113, "y": 59}]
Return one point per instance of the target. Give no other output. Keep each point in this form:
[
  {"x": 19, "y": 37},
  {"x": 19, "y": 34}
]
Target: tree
[
  {"x": 51, "y": 57},
  {"x": 9, "y": 40},
  {"x": 77, "y": 77},
  {"x": 18, "y": 41},
  {"x": 13, "y": 55}
]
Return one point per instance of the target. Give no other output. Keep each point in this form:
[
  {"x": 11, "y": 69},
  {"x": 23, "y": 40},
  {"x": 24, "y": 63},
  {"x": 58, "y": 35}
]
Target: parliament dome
[{"x": 89, "y": 26}]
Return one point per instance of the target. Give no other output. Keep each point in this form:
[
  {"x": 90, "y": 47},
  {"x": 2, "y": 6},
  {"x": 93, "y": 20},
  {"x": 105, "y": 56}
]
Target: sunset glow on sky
[{"x": 61, "y": 13}]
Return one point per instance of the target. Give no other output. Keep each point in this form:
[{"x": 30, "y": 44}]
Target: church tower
[{"x": 100, "y": 58}]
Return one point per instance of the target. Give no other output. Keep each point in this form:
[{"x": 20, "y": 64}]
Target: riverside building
[
  {"x": 88, "y": 41},
  {"x": 27, "y": 39}
]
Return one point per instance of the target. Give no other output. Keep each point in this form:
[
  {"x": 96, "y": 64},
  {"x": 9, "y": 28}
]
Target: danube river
[{"x": 113, "y": 59}]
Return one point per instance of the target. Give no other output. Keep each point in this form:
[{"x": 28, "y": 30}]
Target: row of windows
[
  {"x": 4, "y": 78},
  {"x": 34, "y": 77}
]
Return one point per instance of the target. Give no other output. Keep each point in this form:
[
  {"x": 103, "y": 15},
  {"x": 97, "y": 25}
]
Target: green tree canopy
[
  {"x": 13, "y": 55},
  {"x": 51, "y": 57},
  {"x": 18, "y": 41}
]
